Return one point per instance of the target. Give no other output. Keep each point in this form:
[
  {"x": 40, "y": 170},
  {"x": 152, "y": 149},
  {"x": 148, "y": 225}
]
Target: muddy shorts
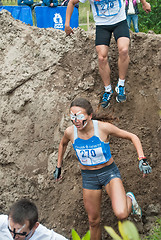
[
  {"x": 95, "y": 179},
  {"x": 104, "y": 32}
]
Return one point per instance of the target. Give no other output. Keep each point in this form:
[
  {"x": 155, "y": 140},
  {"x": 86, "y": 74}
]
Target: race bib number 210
[{"x": 107, "y": 7}]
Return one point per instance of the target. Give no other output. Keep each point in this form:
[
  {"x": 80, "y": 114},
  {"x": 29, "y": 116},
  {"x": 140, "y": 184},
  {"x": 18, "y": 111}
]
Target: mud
[{"x": 42, "y": 71}]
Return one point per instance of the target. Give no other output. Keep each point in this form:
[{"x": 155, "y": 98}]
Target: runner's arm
[
  {"x": 69, "y": 12},
  {"x": 115, "y": 131},
  {"x": 62, "y": 147},
  {"x": 143, "y": 164}
]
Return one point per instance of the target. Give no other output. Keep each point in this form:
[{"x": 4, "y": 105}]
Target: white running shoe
[{"x": 135, "y": 206}]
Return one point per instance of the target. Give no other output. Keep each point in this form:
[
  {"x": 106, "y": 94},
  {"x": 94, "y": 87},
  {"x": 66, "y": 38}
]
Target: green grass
[
  {"x": 83, "y": 8},
  {"x": 84, "y": 27},
  {"x": 155, "y": 233},
  {"x": 9, "y": 3}
]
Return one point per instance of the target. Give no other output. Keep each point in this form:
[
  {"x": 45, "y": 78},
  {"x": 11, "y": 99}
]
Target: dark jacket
[
  {"x": 25, "y": 2},
  {"x": 47, "y": 3}
]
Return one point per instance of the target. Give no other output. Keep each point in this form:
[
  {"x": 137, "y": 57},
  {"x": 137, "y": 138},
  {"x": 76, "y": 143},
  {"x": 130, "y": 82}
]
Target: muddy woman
[{"x": 90, "y": 139}]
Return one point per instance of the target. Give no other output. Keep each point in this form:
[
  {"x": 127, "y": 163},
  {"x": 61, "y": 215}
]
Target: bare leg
[
  {"x": 92, "y": 203},
  {"x": 121, "y": 204},
  {"x": 123, "y": 60},
  {"x": 104, "y": 69}
]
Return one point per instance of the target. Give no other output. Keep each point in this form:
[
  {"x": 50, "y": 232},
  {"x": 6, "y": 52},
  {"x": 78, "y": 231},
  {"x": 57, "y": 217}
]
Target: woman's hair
[
  {"x": 24, "y": 210},
  {"x": 85, "y": 104}
]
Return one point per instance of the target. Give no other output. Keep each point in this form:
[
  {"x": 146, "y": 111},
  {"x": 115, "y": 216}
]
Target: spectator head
[{"x": 23, "y": 219}]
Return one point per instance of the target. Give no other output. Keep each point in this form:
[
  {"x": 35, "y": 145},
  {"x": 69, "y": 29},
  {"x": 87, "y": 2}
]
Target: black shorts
[
  {"x": 95, "y": 179},
  {"x": 104, "y": 32}
]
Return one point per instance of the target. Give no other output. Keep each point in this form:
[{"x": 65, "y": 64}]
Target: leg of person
[
  {"x": 104, "y": 71},
  {"x": 103, "y": 37},
  {"x": 122, "y": 36},
  {"x": 123, "y": 61},
  {"x": 121, "y": 204},
  {"x": 104, "y": 68},
  {"x": 92, "y": 203},
  {"x": 135, "y": 206},
  {"x": 135, "y": 22},
  {"x": 128, "y": 18}
]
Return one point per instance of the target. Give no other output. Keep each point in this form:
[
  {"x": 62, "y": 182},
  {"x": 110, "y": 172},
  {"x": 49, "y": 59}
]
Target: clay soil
[{"x": 42, "y": 71}]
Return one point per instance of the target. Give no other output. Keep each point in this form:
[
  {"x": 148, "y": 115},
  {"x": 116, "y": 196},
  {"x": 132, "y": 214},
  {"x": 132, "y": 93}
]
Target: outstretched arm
[
  {"x": 62, "y": 148},
  {"x": 115, "y": 131},
  {"x": 146, "y": 6},
  {"x": 69, "y": 12},
  {"x": 143, "y": 164}
]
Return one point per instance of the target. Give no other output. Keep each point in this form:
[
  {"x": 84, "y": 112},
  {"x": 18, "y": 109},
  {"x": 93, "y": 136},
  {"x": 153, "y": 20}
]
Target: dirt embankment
[{"x": 42, "y": 71}]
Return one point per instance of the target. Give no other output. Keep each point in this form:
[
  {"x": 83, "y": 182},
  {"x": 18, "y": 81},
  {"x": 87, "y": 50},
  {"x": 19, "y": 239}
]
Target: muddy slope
[{"x": 42, "y": 71}]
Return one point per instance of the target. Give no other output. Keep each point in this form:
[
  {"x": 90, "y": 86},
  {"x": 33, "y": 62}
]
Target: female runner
[{"x": 90, "y": 139}]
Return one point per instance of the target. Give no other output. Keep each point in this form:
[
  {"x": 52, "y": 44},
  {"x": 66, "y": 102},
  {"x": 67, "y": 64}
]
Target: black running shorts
[
  {"x": 104, "y": 32},
  {"x": 95, "y": 179}
]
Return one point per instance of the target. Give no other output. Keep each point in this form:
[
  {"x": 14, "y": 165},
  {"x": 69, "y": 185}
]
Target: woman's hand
[
  {"x": 57, "y": 173},
  {"x": 144, "y": 166}
]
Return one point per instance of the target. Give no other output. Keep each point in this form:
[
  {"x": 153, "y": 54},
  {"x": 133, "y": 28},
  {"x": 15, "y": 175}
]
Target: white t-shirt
[
  {"x": 107, "y": 12},
  {"x": 131, "y": 9},
  {"x": 41, "y": 232}
]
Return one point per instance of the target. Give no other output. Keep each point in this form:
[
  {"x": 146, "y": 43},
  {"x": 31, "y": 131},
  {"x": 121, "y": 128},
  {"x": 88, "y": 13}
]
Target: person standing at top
[
  {"x": 132, "y": 11},
  {"x": 50, "y": 3},
  {"x": 22, "y": 224},
  {"x": 109, "y": 17},
  {"x": 90, "y": 139},
  {"x": 25, "y": 3}
]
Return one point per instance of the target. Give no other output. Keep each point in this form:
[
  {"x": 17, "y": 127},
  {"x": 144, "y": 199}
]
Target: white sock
[
  {"x": 121, "y": 82},
  {"x": 108, "y": 88}
]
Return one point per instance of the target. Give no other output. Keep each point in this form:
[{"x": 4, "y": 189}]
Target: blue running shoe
[
  {"x": 105, "y": 102},
  {"x": 135, "y": 206},
  {"x": 121, "y": 97}
]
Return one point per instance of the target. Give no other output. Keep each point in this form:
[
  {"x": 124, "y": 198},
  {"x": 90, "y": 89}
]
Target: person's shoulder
[
  {"x": 105, "y": 127},
  {"x": 3, "y": 220},
  {"x": 3, "y": 217},
  {"x": 43, "y": 232},
  {"x": 102, "y": 124},
  {"x": 69, "y": 130}
]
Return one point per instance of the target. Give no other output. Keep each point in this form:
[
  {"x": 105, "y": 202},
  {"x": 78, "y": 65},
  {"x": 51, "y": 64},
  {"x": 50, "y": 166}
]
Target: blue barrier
[
  {"x": 22, "y": 13},
  {"x": 55, "y": 17}
]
